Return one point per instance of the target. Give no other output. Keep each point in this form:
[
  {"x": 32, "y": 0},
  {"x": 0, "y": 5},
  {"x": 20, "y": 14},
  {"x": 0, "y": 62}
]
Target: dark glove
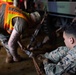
[{"x": 40, "y": 57}]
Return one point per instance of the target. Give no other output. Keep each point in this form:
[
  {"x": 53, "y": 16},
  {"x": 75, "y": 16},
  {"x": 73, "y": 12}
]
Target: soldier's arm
[{"x": 57, "y": 54}]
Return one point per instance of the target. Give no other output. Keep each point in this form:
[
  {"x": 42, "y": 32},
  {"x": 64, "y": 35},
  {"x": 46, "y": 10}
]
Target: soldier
[
  {"x": 13, "y": 23},
  {"x": 63, "y": 59}
]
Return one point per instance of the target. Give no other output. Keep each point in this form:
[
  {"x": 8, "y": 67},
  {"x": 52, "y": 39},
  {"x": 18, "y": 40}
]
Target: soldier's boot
[
  {"x": 9, "y": 58},
  {"x": 17, "y": 58}
]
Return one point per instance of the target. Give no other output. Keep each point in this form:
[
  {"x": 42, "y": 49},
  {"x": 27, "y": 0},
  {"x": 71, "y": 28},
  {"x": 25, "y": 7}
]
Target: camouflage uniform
[{"x": 64, "y": 61}]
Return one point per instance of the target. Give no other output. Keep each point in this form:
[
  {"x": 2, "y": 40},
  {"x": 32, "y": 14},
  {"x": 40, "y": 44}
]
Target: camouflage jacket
[{"x": 64, "y": 61}]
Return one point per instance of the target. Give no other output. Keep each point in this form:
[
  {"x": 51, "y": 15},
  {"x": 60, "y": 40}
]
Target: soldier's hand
[
  {"x": 40, "y": 57},
  {"x": 45, "y": 61}
]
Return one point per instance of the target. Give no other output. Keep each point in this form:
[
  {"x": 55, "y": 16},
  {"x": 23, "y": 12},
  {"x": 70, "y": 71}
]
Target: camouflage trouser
[{"x": 4, "y": 42}]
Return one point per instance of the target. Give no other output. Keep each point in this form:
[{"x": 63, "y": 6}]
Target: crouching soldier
[{"x": 13, "y": 23}]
